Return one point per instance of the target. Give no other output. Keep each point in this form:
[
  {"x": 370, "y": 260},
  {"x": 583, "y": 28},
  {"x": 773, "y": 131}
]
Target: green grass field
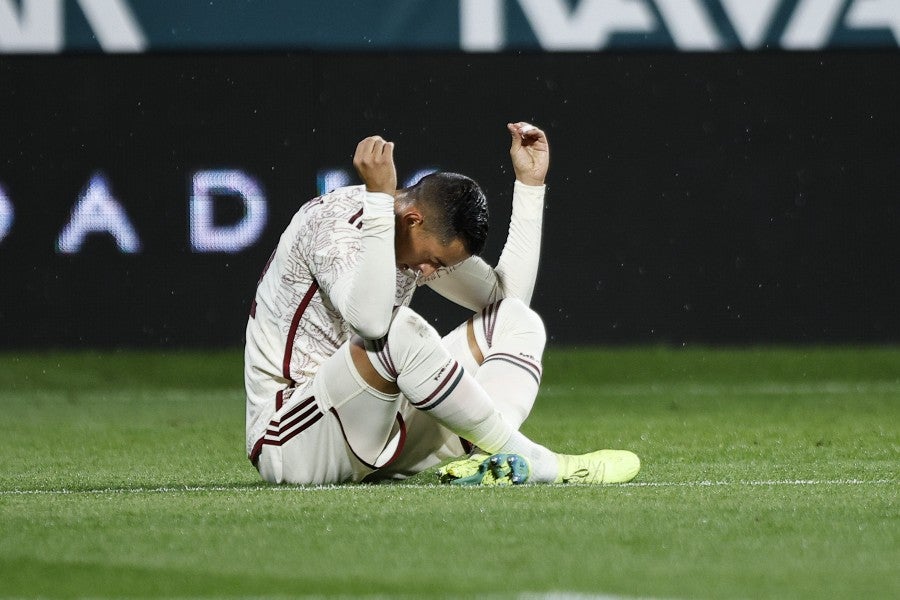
[{"x": 768, "y": 473}]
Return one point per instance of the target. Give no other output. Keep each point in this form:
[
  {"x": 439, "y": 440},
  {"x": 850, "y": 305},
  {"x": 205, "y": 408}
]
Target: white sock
[
  {"x": 544, "y": 464},
  {"x": 511, "y": 338}
]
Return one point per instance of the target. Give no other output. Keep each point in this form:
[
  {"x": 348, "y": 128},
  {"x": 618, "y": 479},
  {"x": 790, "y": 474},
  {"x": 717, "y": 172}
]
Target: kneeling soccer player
[{"x": 345, "y": 382}]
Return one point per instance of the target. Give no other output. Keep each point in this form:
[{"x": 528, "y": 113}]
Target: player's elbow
[
  {"x": 372, "y": 331},
  {"x": 368, "y": 316},
  {"x": 372, "y": 326}
]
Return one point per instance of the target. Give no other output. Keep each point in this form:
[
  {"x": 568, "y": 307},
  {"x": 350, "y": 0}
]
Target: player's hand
[
  {"x": 374, "y": 161},
  {"x": 530, "y": 153}
]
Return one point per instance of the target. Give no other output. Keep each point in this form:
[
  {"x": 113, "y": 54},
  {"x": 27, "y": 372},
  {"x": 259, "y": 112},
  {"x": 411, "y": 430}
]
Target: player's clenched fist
[
  {"x": 374, "y": 161},
  {"x": 530, "y": 152}
]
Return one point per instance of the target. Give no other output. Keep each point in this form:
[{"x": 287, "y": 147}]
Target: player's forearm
[
  {"x": 518, "y": 265},
  {"x": 368, "y": 300},
  {"x": 474, "y": 284}
]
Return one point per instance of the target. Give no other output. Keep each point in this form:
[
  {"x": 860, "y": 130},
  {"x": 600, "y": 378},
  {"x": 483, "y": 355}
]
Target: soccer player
[{"x": 344, "y": 382}]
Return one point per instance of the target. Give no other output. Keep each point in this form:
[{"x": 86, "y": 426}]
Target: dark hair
[{"x": 457, "y": 209}]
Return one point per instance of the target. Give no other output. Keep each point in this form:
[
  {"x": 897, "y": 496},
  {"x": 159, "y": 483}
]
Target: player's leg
[
  {"x": 508, "y": 337},
  {"x": 429, "y": 443},
  {"x": 413, "y": 359},
  {"x": 503, "y": 346},
  {"x": 361, "y": 382},
  {"x": 506, "y": 340}
]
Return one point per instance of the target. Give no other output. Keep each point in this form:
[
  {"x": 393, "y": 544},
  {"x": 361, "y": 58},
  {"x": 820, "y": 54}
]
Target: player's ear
[{"x": 412, "y": 216}]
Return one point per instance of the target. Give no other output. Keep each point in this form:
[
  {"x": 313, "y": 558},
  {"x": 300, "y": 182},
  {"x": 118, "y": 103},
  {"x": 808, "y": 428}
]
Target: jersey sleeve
[
  {"x": 355, "y": 265},
  {"x": 474, "y": 284}
]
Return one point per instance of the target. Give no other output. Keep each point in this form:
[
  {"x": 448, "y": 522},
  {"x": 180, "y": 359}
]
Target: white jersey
[{"x": 294, "y": 325}]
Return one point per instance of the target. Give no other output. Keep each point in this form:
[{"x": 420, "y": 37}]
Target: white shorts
[{"x": 391, "y": 439}]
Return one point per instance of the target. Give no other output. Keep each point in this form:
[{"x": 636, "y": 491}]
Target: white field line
[{"x": 363, "y": 488}]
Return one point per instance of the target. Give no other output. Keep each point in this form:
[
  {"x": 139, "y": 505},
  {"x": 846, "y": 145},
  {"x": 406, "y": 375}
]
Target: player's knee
[
  {"x": 515, "y": 318},
  {"x": 410, "y": 332},
  {"x": 409, "y": 339}
]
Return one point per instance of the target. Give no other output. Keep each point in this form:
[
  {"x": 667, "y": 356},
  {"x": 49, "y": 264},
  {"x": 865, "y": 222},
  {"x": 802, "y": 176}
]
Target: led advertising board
[{"x": 705, "y": 198}]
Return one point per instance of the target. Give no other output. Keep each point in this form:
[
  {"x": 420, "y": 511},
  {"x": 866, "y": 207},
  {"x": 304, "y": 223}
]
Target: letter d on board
[{"x": 206, "y": 236}]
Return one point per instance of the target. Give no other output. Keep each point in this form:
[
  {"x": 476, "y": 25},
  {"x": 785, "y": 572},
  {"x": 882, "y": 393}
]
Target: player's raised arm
[
  {"x": 474, "y": 283},
  {"x": 518, "y": 265},
  {"x": 366, "y": 299}
]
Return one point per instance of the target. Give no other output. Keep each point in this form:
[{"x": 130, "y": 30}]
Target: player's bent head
[{"x": 456, "y": 206}]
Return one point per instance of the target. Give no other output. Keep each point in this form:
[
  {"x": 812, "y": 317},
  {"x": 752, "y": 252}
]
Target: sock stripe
[
  {"x": 524, "y": 359},
  {"x": 433, "y": 399},
  {"x": 529, "y": 367},
  {"x": 447, "y": 393}
]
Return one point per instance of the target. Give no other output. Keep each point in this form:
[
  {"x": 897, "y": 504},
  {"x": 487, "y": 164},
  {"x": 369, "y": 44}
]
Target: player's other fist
[
  {"x": 374, "y": 161},
  {"x": 530, "y": 152}
]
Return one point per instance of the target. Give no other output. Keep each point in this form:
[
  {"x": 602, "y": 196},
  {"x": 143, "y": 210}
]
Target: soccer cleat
[
  {"x": 602, "y": 466},
  {"x": 479, "y": 469},
  {"x": 460, "y": 469}
]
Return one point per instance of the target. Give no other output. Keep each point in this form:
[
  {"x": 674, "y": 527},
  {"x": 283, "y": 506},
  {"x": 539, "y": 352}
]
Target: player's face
[{"x": 419, "y": 250}]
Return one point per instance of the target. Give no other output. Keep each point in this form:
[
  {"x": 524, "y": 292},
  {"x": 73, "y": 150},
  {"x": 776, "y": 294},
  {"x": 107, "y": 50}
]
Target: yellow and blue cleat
[
  {"x": 600, "y": 467},
  {"x": 480, "y": 469}
]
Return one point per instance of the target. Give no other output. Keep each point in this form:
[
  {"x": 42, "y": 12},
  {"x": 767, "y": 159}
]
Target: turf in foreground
[{"x": 767, "y": 473}]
